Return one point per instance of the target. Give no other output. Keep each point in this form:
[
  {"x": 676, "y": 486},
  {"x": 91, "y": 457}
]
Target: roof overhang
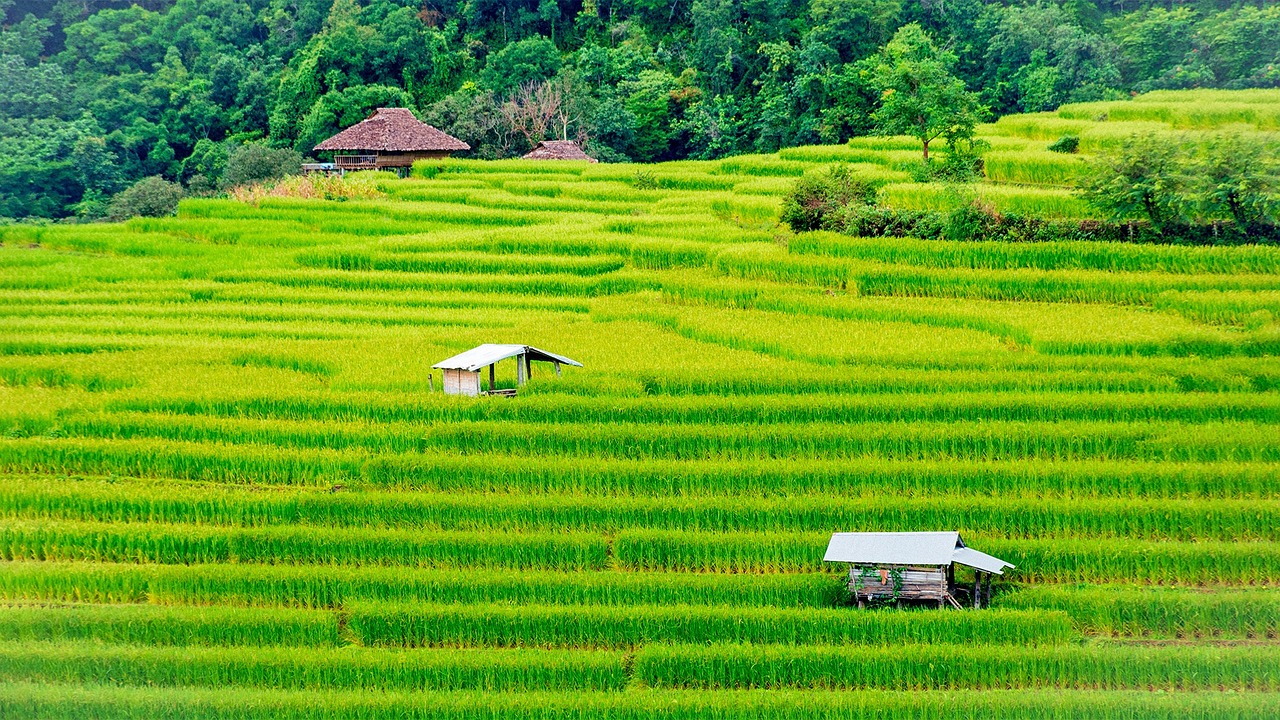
[
  {"x": 490, "y": 353},
  {"x": 909, "y": 548}
]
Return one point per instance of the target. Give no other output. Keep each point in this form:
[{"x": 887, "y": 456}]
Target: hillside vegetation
[
  {"x": 103, "y": 93},
  {"x": 229, "y": 490}
]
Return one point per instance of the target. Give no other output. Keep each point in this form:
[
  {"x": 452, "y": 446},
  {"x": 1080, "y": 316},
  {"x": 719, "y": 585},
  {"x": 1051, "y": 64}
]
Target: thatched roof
[
  {"x": 393, "y": 130},
  {"x": 558, "y": 150}
]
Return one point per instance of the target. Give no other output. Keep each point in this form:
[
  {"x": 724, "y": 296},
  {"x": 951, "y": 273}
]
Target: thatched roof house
[
  {"x": 558, "y": 150},
  {"x": 390, "y": 138}
]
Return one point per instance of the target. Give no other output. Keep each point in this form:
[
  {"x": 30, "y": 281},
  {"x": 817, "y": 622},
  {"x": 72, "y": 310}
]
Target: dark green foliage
[
  {"x": 1066, "y": 144},
  {"x": 1175, "y": 189},
  {"x": 149, "y": 197},
  {"x": 167, "y": 87},
  {"x": 919, "y": 95},
  {"x": 1142, "y": 180},
  {"x": 817, "y": 198},
  {"x": 255, "y": 162}
]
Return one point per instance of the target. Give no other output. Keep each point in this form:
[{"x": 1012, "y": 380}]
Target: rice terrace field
[{"x": 231, "y": 491}]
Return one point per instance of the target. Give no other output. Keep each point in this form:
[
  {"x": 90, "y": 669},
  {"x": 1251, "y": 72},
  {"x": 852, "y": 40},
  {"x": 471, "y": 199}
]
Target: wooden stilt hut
[
  {"x": 914, "y": 566},
  {"x": 462, "y": 371},
  {"x": 389, "y": 139}
]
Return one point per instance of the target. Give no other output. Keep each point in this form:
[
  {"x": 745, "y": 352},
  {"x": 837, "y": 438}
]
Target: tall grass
[
  {"x": 933, "y": 667},
  {"x": 1012, "y": 515},
  {"x": 74, "y": 702},
  {"x": 627, "y": 626},
  {"x": 335, "y": 586},
  {"x": 1147, "y": 612},
  {"x": 160, "y": 625},
  {"x": 312, "y": 668},
  {"x": 297, "y": 545}
]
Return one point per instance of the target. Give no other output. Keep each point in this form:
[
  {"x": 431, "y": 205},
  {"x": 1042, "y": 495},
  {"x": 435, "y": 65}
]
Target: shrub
[
  {"x": 255, "y": 162},
  {"x": 1142, "y": 179},
  {"x": 149, "y": 197},
  {"x": 817, "y": 200},
  {"x": 1066, "y": 144}
]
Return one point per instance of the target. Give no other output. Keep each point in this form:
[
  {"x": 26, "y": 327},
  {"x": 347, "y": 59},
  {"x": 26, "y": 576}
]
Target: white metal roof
[
  {"x": 909, "y": 548},
  {"x": 490, "y": 353}
]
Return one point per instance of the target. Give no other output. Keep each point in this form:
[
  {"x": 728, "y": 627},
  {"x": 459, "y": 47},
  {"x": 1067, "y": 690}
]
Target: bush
[
  {"x": 149, "y": 197},
  {"x": 254, "y": 162},
  {"x": 817, "y": 200},
  {"x": 1069, "y": 144}
]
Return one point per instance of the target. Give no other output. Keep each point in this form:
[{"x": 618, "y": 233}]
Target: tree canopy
[{"x": 102, "y": 93}]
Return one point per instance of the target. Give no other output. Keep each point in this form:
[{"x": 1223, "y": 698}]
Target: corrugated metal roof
[
  {"x": 490, "y": 353},
  {"x": 909, "y": 548},
  {"x": 981, "y": 561}
]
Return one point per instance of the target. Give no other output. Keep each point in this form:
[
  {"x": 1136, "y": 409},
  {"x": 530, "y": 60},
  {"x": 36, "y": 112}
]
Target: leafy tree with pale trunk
[{"x": 919, "y": 95}]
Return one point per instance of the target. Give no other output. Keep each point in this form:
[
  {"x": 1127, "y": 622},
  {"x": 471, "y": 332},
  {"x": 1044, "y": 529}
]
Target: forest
[{"x": 102, "y": 93}]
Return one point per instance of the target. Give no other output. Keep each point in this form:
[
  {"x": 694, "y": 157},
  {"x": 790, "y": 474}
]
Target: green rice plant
[
  {"x": 1045, "y": 168},
  {"x": 1209, "y": 562},
  {"x": 1066, "y": 255},
  {"x": 1122, "y": 610},
  {"x": 1036, "y": 126},
  {"x": 445, "y": 167},
  {"x": 173, "y": 625},
  {"x": 767, "y": 165},
  {"x": 894, "y": 142},
  {"x": 333, "y": 586},
  {"x": 72, "y": 702},
  {"x": 627, "y": 626},
  {"x": 1040, "y": 202},
  {"x": 1013, "y": 516},
  {"x": 312, "y": 667},
  {"x": 493, "y": 472},
  {"x": 296, "y": 545},
  {"x": 1167, "y": 563},
  {"x": 463, "y": 262},
  {"x": 935, "y": 667}
]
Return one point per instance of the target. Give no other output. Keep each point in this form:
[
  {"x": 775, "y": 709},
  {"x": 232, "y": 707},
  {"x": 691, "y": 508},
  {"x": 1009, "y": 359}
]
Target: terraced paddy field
[{"x": 229, "y": 490}]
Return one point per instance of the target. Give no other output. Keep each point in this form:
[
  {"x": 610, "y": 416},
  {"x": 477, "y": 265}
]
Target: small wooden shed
[
  {"x": 462, "y": 371},
  {"x": 557, "y": 150},
  {"x": 389, "y": 139},
  {"x": 914, "y": 566}
]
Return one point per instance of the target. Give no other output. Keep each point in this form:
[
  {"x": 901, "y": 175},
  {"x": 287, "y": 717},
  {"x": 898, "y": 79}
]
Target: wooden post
[
  {"x": 557, "y": 362},
  {"x": 491, "y": 374},
  {"x": 431, "y": 383},
  {"x": 520, "y": 378},
  {"x": 987, "y": 590},
  {"x": 528, "y": 367},
  {"x": 977, "y": 589}
]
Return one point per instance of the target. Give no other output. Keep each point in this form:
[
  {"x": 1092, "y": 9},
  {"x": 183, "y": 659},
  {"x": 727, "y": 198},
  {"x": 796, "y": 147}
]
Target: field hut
[
  {"x": 462, "y": 372},
  {"x": 914, "y": 566},
  {"x": 389, "y": 139},
  {"x": 557, "y": 150}
]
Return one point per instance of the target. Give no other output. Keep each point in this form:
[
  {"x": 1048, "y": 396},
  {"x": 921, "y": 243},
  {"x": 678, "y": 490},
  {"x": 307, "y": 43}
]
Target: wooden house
[
  {"x": 557, "y": 150},
  {"x": 389, "y": 139},
  {"x": 914, "y": 566},
  {"x": 462, "y": 371}
]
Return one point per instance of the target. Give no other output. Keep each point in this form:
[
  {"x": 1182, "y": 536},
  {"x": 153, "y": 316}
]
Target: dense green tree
[
  {"x": 1233, "y": 180},
  {"x": 149, "y": 197},
  {"x": 918, "y": 94},
  {"x": 1142, "y": 179},
  {"x": 526, "y": 61},
  {"x": 255, "y": 162},
  {"x": 137, "y": 88}
]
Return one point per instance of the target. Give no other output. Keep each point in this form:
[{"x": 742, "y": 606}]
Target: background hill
[
  {"x": 228, "y": 488},
  {"x": 100, "y": 93}
]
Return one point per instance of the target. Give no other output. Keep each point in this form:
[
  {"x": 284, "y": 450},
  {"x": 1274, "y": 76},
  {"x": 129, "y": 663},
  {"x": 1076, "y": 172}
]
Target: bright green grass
[{"x": 232, "y": 487}]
